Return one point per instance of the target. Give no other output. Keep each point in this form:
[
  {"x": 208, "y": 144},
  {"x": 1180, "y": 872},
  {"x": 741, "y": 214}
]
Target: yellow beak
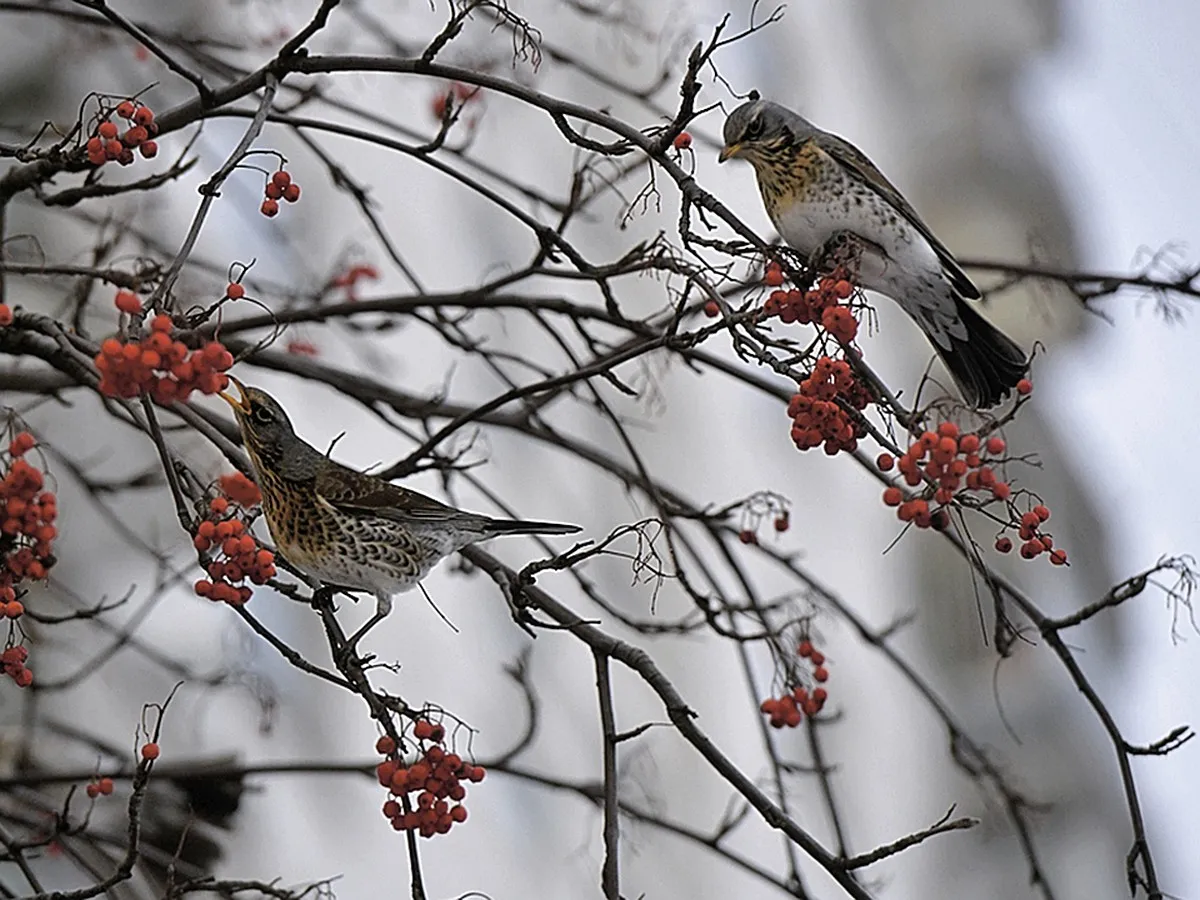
[
  {"x": 729, "y": 152},
  {"x": 242, "y": 405}
]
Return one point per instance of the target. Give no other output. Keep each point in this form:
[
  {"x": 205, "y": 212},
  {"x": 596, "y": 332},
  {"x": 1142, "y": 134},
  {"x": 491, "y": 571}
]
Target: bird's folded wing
[
  {"x": 848, "y": 156},
  {"x": 353, "y": 492}
]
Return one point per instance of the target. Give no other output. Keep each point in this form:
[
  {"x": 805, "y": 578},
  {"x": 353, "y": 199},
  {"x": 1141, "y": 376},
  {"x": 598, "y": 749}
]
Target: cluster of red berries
[
  {"x": 436, "y": 776},
  {"x": 162, "y": 367},
  {"x": 107, "y": 143},
  {"x": 100, "y": 787},
  {"x": 27, "y": 531},
  {"x": 821, "y": 304},
  {"x": 760, "y": 507},
  {"x": 13, "y": 660},
  {"x": 1035, "y": 542},
  {"x": 6, "y": 315},
  {"x": 241, "y": 557},
  {"x": 953, "y": 462},
  {"x": 817, "y": 416},
  {"x": 789, "y": 709},
  {"x": 349, "y": 279},
  {"x": 279, "y": 187}
]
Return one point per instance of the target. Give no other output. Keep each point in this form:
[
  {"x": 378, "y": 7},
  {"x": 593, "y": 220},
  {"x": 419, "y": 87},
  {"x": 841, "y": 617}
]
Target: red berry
[
  {"x": 269, "y": 208},
  {"x": 291, "y": 193},
  {"x": 892, "y": 496},
  {"x": 105, "y": 785},
  {"x": 125, "y": 109},
  {"x": 885, "y": 462},
  {"x": 273, "y": 191},
  {"x": 6, "y": 315},
  {"x": 711, "y": 309},
  {"x": 128, "y": 302},
  {"x": 773, "y": 276},
  {"x": 143, "y": 115},
  {"x": 995, "y": 445},
  {"x": 93, "y": 791},
  {"x": 821, "y": 674},
  {"x": 1024, "y": 387},
  {"x": 150, "y": 751},
  {"x": 1003, "y": 545},
  {"x": 281, "y": 179},
  {"x": 148, "y": 149},
  {"x": 135, "y": 135},
  {"x": 746, "y": 536},
  {"x": 682, "y": 141},
  {"x": 805, "y": 648},
  {"x": 1042, "y": 512},
  {"x": 234, "y": 291}
]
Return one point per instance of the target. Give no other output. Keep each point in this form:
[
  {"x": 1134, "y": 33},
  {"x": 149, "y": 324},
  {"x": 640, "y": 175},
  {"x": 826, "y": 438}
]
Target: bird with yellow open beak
[{"x": 344, "y": 528}]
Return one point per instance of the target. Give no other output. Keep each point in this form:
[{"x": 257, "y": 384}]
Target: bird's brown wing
[
  {"x": 851, "y": 158},
  {"x": 353, "y": 492}
]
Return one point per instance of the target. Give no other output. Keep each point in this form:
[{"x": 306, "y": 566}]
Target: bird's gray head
[
  {"x": 759, "y": 128},
  {"x": 266, "y": 429}
]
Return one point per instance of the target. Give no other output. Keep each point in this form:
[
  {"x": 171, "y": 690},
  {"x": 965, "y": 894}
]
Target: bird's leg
[{"x": 383, "y": 606}]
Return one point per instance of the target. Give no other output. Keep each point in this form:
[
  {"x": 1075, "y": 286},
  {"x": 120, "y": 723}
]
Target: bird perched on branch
[
  {"x": 820, "y": 190},
  {"x": 346, "y": 529}
]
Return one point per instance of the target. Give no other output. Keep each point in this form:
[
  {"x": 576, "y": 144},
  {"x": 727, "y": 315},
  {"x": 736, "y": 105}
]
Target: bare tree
[{"x": 612, "y": 275}]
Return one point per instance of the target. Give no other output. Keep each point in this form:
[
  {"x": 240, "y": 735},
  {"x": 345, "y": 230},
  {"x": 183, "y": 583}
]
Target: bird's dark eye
[
  {"x": 755, "y": 129},
  {"x": 263, "y": 415}
]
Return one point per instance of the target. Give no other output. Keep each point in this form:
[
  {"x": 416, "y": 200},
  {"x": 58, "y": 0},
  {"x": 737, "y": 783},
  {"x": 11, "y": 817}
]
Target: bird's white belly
[{"x": 893, "y": 251}]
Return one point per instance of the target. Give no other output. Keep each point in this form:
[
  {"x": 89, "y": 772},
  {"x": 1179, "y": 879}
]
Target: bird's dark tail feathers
[
  {"x": 518, "y": 526},
  {"x": 987, "y": 365}
]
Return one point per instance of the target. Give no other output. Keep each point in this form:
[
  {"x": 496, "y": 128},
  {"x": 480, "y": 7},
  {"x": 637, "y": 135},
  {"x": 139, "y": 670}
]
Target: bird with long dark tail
[{"x": 818, "y": 188}]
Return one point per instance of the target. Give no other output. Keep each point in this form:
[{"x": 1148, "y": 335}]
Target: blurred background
[{"x": 1056, "y": 131}]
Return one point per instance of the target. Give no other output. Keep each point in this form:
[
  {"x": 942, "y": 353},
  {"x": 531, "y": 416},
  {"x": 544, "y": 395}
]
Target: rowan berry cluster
[
  {"x": 279, "y": 187},
  {"x": 238, "y": 557},
  {"x": 789, "y": 709},
  {"x": 350, "y": 278},
  {"x": 437, "y": 777},
  {"x": 13, "y": 660},
  {"x": 763, "y": 506},
  {"x": 27, "y": 514},
  {"x": 947, "y": 462},
  {"x": 821, "y": 305},
  {"x": 99, "y": 787},
  {"x": 108, "y": 144},
  {"x": 818, "y": 418},
  {"x": 160, "y": 366},
  {"x": 1035, "y": 542}
]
